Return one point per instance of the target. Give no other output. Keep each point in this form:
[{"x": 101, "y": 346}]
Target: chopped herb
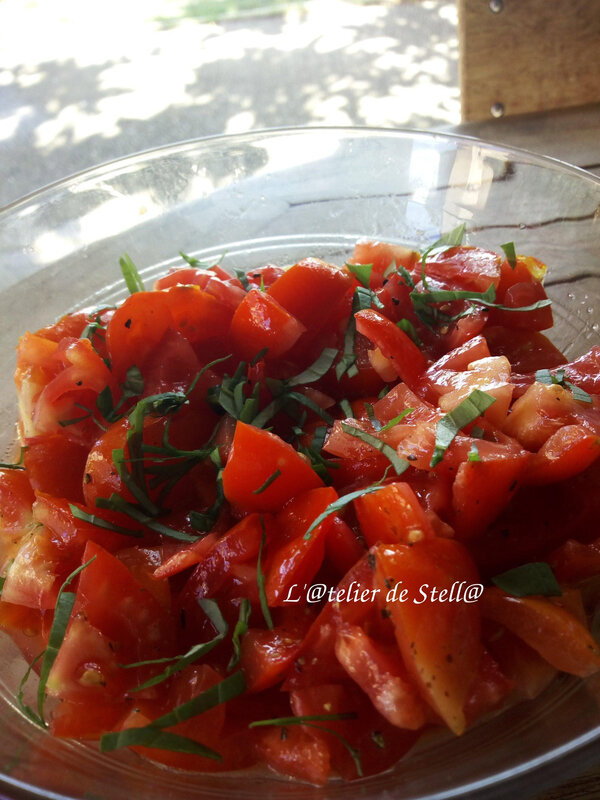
[
  {"x": 545, "y": 376},
  {"x": 409, "y": 329},
  {"x": 346, "y": 408},
  {"x": 62, "y": 615},
  {"x": 362, "y": 273},
  {"x": 372, "y": 418},
  {"x": 529, "y": 579},
  {"x": 268, "y": 482},
  {"x": 260, "y": 580},
  {"x": 316, "y": 370},
  {"x": 383, "y": 392},
  {"x": 259, "y": 356},
  {"x": 473, "y": 454},
  {"x": 26, "y": 709},
  {"x": 102, "y": 523},
  {"x": 450, "y": 424},
  {"x": 211, "y": 609},
  {"x": 341, "y": 503},
  {"x": 399, "y": 464},
  {"x": 310, "y": 722},
  {"x": 509, "y": 252},
  {"x": 131, "y": 275},
  {"x": 195, "y": 262},
  {"x": 241, "y": 627},
  {"x": 153, "y": 736},
  {"x": 116, "y": 503},
  {"x": 242, "y": 278},
  {"x": 453, "y": 238},
  {"x": 397, "y": 419}
]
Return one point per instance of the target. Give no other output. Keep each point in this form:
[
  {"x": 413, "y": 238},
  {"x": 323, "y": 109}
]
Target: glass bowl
[{"x": 276, "y": 196}]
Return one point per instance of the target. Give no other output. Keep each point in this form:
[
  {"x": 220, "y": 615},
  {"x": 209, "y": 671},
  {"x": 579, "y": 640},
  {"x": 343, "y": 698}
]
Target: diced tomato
[
  {"x": 521, "y": 664},
  {"x": 392, "y": 515},
  {"x": 527, "y": 351},
  {"x": 439, "y": 641},
  {"x": 261, "y": 322},
  {"x": 197, "y": 315},
  {"x": 409, "y": 362},
  {"x": 381, "y": 676},
  {"x": 524, "y": 295},
  {"x": 383, "y": 255},
  {"x": 53, "y": 448},
  {"x": 569, "y": 450},
  {"x": 489, "y": 689},
  {"x": 464, "y": 268},
  {"x": 296, "y": 754},
  {"x": 553, "y": 632},
  {"x": 245, "y": 474},
  {"x": 343, "y": 548},
  {"x": 310, "y": 278}
]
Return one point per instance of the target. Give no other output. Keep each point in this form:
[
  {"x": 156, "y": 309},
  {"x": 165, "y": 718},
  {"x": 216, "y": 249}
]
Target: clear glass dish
[{"x": 276, "y": 196}]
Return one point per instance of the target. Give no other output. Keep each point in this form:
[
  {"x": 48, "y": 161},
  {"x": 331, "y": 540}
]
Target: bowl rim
[{"x": 122, "y": 162}]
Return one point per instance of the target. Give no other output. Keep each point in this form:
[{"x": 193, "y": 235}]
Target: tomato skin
[
  {"x": 550, "y": 630},
  {"x": 244, "y": 473},
  {"x": 465, "y": 267},
  {"x": 136, "y": 329},
  {"x": 53, "y": 448},
  {"x": 409, "y": 362},
  {"x": 378, "y": 674},
  {"x": 298, "y": 755},
  {"x": 343, "y": 548},
  {"x": 197, "y": 315},
  {"x": 565, "y": 453},
  {"x": 521, "y": 295},
  {"x": 392, "y": 515},
  {"x": 297, "y": 288},
  {"x": 526, "y": 350},
  {"x": 441, "y": 650},
  {"x": 261, "y": 322},
  {"x": 382, "y": 255}
]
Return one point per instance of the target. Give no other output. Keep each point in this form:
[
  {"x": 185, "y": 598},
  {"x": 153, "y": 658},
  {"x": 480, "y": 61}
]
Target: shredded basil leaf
[
  {"x": 152, "y": 735},
  {"x": 399, "y": 464},
  {"x": 242, "y": 278},
  {"x": 536, "y": 578},
  {"x": 260, "y": 580},
  {"x": 340, "y": 504},
  {"x": 62, "y": 614},
  {"x": 362, "y": 273},
  {"x": 397, "y": 419},
  {"x": 316, "y": 370},
  {"x": 211, "y": 609},
  {"x": 116, "y": 503},
  {"x": 131, "y": 275},
  {"x": 545, "y": 376},
  {"x": 309, "y": 721},
  {"x": 27, "y": 710},
  {"x": 344, "y": 404},
  {"x": 372, "y": 418},
  {"x": 102, "y": 523},
  {"x": 473, "y": 454},
  {"x": 450, "y": 424},
  {"x": 409, "y": 329},
  {"x": 268, "y": 482},
  {"x": 453, "y": 238},
  {"x": 241, "y": 628},
  {"x": 509, "y": 252}
]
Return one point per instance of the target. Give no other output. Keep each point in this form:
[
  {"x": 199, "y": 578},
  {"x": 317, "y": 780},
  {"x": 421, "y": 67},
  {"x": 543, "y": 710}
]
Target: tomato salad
[{"x": 301, "y": 516}]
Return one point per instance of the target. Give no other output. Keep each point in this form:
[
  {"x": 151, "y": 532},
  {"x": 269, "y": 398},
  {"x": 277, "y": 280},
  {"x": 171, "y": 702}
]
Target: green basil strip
[
  {"x": 241, "y": 628},
  {"x": 149, "y": 736},
  {"x": 450, "y": 295},
  {"x": 139, "y": 492},
  {"x": 260, "y": 580},
  {"x": 397, "y": 419},
  {"x": 221, "y": 692},
  {"x": 62, "y": 615},
  {"x": 547, "y": 377},
  {"x": 453, "y": 238},
  {"x": 362, "y": 273},
  {"x": 399, "y": 464},
  {"x": 18, "y": 464},
  {"x": 529, "y": 579},
  {"x": 344, "y": 404},
  {"x": 316, "y": 370},
  {"x": 306, "y": 401},
  {"x": 131, "y": 275},
  {"x": 273, "y": 477},
  {"x": 509, "y": 252},
  {"x": 211, "y": 609},
  {"x": 372, "y": 418},
  {"x": 409, "y": 329},
  {"x": 116, "y": 503},
  {"x": 98, "y": 522},
  {"x": 450, "y": 424},
  {"x": 27, "y": 710},
  {"x": 473, "y": 454},
  {"x": 310, "y": 721},
  {"x": 340, "y": 504},
  {"x": 242, "y": 277}
]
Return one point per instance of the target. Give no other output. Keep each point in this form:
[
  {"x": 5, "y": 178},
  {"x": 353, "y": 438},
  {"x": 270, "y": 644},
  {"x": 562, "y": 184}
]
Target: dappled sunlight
[{"x": 100, "y": 81}]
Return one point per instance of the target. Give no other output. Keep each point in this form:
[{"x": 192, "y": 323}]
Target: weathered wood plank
[{"x": 532, "y": 55}]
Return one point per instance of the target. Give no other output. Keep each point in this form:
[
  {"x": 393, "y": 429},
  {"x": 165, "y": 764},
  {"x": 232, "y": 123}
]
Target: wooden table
[{"x": 571, "y": 135}]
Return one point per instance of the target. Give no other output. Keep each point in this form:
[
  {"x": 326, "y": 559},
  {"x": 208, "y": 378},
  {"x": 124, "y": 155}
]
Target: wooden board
[{"x": 533, "y": 55}]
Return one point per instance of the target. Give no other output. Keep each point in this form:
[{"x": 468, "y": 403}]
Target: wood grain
[
  {"x": 587, "y": 787},
  {"x": 532, "y": 56}
]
